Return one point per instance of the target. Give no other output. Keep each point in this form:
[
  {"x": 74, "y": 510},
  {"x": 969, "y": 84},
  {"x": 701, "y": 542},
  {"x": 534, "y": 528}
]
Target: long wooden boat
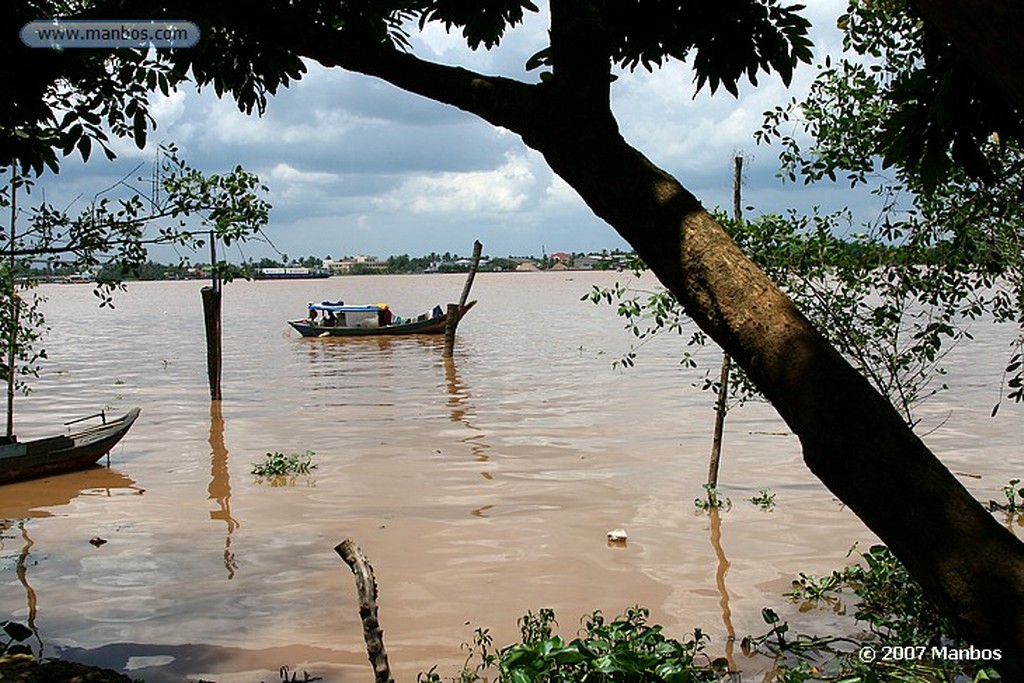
[
  {"x": 338, "y": 320},
  {"x": 64, "y": 453},
  {"x": 292, "y": 273}
]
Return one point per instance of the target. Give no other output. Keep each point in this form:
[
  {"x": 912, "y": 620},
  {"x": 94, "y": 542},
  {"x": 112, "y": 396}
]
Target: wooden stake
[
  {"x": 720, "y": 409},
  {"x": 451, "y": 324},
  {"x": 366, "y": 587},
  {"x": 211, "y": 315},
  {"x": 477, "y": 251},
  {"x": 723, "y": 387},
  {"x": 455, "y": 310}
]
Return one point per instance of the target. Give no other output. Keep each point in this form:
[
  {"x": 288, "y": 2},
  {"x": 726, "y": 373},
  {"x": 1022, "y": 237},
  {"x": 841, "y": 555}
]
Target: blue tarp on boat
[{"x": 342, "y": 308}]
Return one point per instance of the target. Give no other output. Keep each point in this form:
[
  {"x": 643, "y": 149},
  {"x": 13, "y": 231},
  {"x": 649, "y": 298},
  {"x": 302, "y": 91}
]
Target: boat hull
[
  {"x": 65, "y": 453},
  {"x": 429, "y": 326}
]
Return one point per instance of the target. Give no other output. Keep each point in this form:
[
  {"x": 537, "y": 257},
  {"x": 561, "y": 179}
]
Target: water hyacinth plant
[{"x": 277, "y": 464}]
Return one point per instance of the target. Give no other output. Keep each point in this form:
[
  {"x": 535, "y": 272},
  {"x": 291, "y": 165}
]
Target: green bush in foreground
[
  {"x": 907, "y": 640},
  {"x": 902, "y": 638},
  {"x": 627, "y": 649}
]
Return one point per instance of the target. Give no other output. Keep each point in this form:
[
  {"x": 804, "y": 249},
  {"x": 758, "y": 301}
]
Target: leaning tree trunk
[{"x": 852, "y": 438}]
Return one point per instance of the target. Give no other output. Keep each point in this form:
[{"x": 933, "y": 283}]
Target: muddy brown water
[{"x": 479, "y": 489}]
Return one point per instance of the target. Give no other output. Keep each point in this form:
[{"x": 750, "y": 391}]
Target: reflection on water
[
  {"x": 715, "y": 518},
  {"x": 39, "y": 497},
  {"x": 21, "y": 570},
  {"x": 220, "y": 484},
  {"x": 462, "y": 412},
  {"x": 36, "y": 498},
  {"x": 480, "y": 487}
]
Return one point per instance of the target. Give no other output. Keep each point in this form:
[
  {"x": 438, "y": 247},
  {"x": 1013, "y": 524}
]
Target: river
[{"x": 479, "y": 489}]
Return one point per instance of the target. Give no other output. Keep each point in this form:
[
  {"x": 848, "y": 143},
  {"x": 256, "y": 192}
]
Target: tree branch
[
  {"x": 580, "y": 56},
  {"x": 501, "y": 101}
]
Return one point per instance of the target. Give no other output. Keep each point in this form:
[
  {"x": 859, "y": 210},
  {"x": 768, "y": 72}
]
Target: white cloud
[
  {"x": 559, "y": 192},
  {"x": 350, "y": 156},
  {"x": 501, "y": 190},
  {"x": 168, "y": 109},
  {"x": 290, "y": 185},
  {"x": 288, "y": 173}
]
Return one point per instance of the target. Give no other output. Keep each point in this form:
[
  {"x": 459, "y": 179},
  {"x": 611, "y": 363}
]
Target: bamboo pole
[
  {"x": 721, "y": 406},
  {"x": 366, "y": 587},
  {"x": 720, "y": 410},
  {"x": 15, "y": 310}
]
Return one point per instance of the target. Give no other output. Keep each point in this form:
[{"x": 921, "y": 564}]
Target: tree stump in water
[{"x": 366, "y": 587}]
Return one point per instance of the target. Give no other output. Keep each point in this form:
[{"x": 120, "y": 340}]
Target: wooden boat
[
  {"x": 292, "y": 273},
  {"x": 338, "y": 320},
  {"x": 65, "y": 453}
]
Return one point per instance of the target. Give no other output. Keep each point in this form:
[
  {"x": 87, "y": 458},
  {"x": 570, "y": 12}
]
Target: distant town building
[
  {"x": 562, "y": 257},
  {"x": 359, "y": 264}
]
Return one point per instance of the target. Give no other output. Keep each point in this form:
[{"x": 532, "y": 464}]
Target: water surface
[{"x": 479, "y": 488}]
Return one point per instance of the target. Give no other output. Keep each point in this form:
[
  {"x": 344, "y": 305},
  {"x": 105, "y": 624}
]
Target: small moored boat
[
  {"x": 64, "y": 453},
  {"x": 329, "y": 319}
]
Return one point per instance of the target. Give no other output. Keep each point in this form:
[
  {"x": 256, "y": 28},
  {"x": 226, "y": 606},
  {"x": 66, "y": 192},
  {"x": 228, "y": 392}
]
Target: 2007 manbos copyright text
[{"x": 904, "y": 653}]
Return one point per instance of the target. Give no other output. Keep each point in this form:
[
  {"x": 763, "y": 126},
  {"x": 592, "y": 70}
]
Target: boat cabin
[{"x": 329, "y": 314}]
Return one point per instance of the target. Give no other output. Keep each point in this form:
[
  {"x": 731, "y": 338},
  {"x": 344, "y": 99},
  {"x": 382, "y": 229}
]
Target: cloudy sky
[{"x": 355, "y": 166}]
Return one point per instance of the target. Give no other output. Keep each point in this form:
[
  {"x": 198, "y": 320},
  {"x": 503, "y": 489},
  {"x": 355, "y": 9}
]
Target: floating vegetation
[
  {"x": 1014, "y": 504},
  {"x": 901, "y": 634},
  {"x": 277, "y": 464},
  {"x": 713, "y": 500},
  {"x": 765, "y": 500}
]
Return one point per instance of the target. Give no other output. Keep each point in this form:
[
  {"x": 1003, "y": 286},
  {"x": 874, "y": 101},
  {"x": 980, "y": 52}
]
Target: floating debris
[{"x": 617, "y": 537}]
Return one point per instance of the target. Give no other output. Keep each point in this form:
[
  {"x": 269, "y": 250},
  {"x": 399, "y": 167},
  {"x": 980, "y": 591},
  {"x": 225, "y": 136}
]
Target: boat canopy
[{"x": 341, "y": 308}]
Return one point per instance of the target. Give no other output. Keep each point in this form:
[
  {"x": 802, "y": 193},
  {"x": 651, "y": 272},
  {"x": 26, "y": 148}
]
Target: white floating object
[{"x": 617, "y": 536}]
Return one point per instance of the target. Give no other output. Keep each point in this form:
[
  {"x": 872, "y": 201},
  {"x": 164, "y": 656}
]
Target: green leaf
[
  {"x": 568, "y": 657},
  {"x": 84, "y": 147},
  {"x": 18, "y": 632},
  {"x": 139, "y": 128}
]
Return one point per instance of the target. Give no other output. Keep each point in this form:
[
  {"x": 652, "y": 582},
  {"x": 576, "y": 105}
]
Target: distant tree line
[{"x": 859, "y": 251}]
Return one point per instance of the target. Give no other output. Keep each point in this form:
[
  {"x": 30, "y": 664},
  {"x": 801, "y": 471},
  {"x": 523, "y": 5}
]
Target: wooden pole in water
[
  {"x": 211, "y": 315},
  {"x": 455, "y": 310},
  {"x": 478, "y": 249},
  {"x": 12, "y": 339},
  {"x": 723, "y": 383}
]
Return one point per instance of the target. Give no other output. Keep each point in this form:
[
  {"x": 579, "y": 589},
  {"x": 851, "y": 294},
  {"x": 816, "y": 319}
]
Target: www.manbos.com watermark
[{"x": 60, "y": 34}]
